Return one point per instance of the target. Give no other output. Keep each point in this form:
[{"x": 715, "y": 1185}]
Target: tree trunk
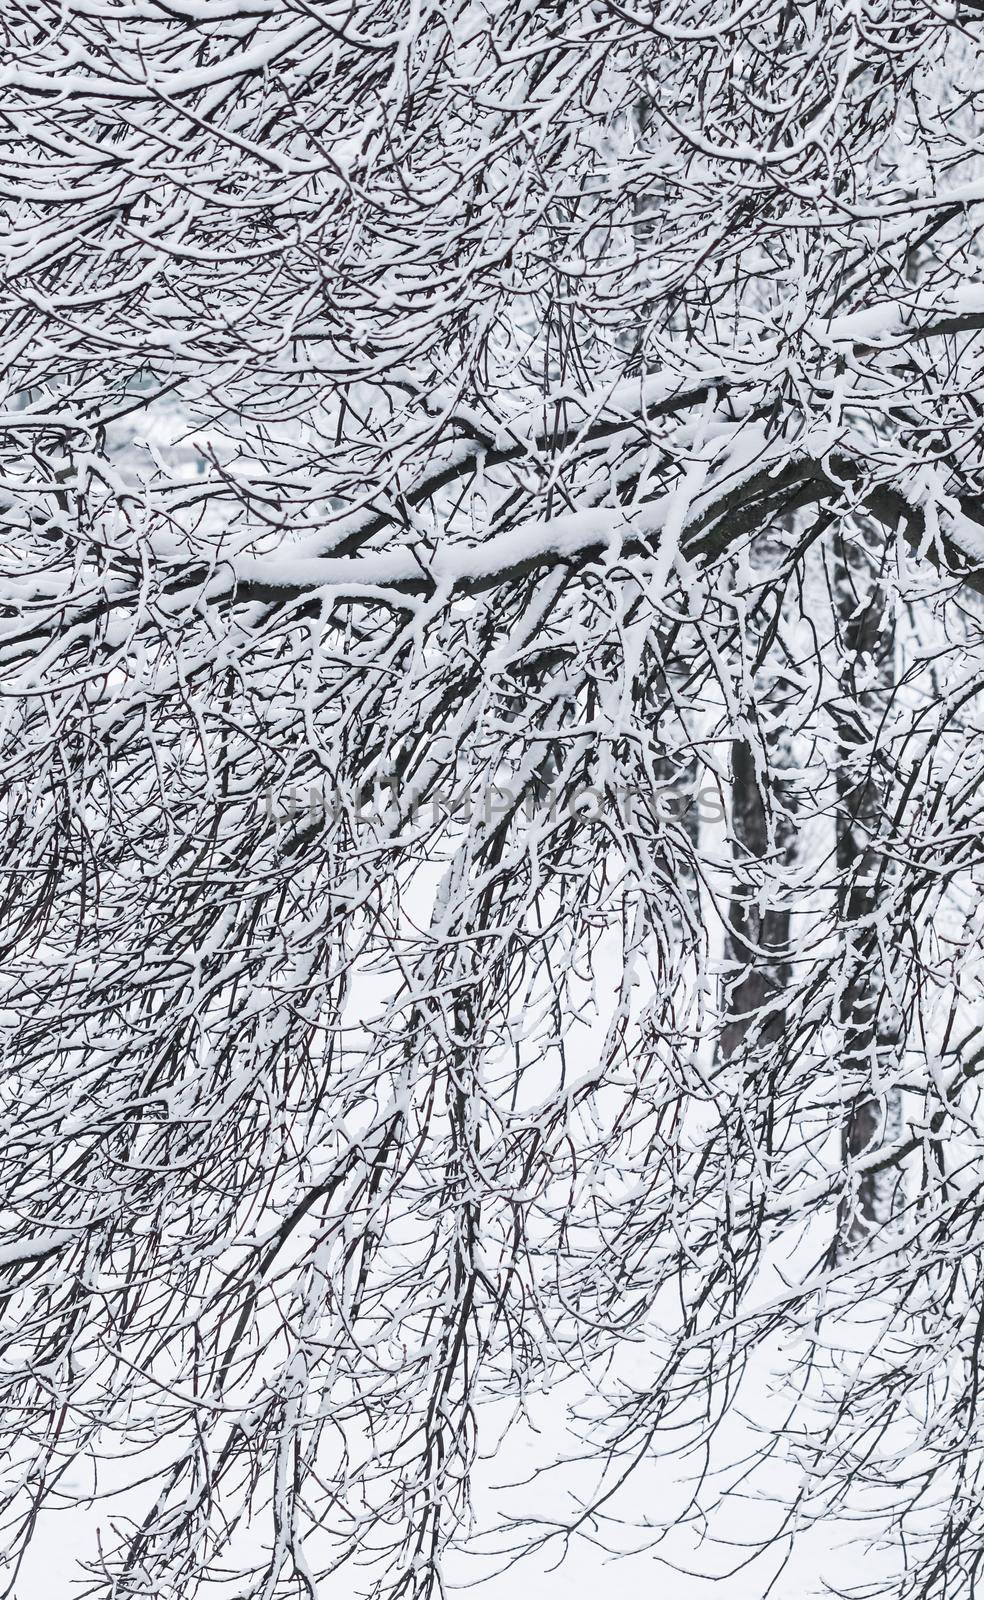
[
  {"x": 757, "y": 939},
  {"x": 869, "y": 1033}
]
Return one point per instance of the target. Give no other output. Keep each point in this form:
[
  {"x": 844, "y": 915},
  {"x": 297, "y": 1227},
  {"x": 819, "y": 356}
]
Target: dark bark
[
  {"x": 757, "y": 941},
  {"x": 868, "y": 1031}
]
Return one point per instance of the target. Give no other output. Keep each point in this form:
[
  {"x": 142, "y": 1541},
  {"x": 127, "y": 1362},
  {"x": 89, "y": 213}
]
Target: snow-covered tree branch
[{"x": 490, "y": 651}]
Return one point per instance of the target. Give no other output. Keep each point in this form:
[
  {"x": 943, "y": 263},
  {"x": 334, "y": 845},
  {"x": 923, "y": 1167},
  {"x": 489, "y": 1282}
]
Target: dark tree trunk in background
[
  {"x": 763, "y": 840},
  {"x": 757, "y": 940},
  {"x": 869, "y": 1031}
]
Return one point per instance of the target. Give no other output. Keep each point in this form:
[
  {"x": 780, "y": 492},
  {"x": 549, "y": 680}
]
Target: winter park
[{"x": 491, "y": 757}]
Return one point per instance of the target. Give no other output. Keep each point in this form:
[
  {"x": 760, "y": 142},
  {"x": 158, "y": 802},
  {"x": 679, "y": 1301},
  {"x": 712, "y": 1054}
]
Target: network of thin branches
[{"x": 490, "y": 647}]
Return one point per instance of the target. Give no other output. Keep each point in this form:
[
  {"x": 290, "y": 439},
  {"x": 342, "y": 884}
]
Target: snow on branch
[{"x": 490, "y": 651}]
